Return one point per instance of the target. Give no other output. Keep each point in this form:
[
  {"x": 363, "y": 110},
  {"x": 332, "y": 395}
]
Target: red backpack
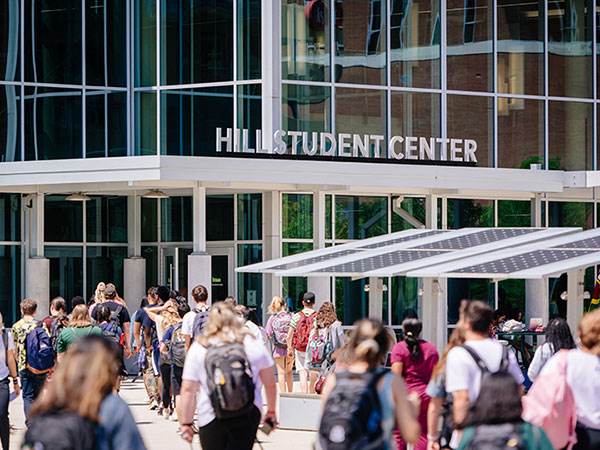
[{"x": 302, "y": 333}]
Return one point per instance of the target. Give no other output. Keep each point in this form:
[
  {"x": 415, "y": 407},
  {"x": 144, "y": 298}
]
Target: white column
[
  {"x": 375, "y": 297},
  {"x": 434, "y": 311},
  {"x": 272, "y": 247},
  {"x": 320, "y": 286},
  {"x": 537, "y": 302},
  {"x": 199, "y": 262},
  {"x": 134, "y": 226},
  {"x": 536, "y": 210},
  {"x": 37, "y": 269},
  {"x": 575, "y": 298},
  {"x": 199, "y": 218},
  {"x": 431, "y": 212},
  {"x": 134, "y": 275},
  {"x": 271, "y": 70}
]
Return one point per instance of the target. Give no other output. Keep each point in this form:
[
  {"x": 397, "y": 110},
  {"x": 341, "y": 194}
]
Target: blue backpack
[{"x": 38, "y": 348}]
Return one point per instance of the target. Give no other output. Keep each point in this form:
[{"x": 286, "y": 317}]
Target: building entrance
[
  {"x": 223, "y": 281},
  {"x": 174, "y": 261}
]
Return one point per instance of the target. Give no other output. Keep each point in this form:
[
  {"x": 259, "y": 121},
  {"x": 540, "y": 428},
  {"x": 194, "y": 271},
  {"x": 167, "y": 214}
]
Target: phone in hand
[{"x": 268, "y": 426}]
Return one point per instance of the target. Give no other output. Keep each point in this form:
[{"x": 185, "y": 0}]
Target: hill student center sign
[{"x": 350, "y": 145}]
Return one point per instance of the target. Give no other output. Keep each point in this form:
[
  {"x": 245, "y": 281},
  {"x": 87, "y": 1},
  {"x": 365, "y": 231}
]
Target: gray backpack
[{"x": 177, "y": 346}]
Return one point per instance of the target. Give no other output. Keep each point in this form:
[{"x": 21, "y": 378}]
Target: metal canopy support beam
[{"x": 574, "y": 298}]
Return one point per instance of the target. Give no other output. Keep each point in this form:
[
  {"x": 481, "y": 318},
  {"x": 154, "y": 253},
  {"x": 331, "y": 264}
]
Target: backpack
[
  {"x": 38, "y": 350},
  {"x": 303, "y": 328},
  {"x": 60, "y": 431},
  {"x": 281, "y": 327},
  {"x": 229, "y": 380},
  {"x": 319, "y": 348},
  {"x": 199, "y": 322},
  {"x": 352, "y": 416},
  {"x": 550, "y": 404},
  {"x": 58, "y": 324},
  {"x": 177, "y": 346},
  {"x": 506, "y": 436},
  {"x": 115, "y": 316},
  {"x": 111, "y": 332}
]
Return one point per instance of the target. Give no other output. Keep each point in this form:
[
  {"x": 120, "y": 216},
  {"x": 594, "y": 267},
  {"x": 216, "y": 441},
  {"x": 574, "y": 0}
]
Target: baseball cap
[
  {"x": 309, "y": 297},
  {"x": 110, "y": 292}
]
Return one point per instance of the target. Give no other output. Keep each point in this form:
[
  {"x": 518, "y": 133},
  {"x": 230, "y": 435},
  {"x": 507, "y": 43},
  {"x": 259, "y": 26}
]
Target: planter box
[{"x": 299, "y": 411}]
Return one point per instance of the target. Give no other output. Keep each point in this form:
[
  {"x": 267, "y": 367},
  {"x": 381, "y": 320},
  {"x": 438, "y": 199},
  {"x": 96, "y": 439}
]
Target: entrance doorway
[
  {"x": 223, "y": 280},
  {"x": 174, "y": 271}
]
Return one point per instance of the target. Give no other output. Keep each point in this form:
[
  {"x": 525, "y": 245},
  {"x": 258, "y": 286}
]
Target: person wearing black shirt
[{"x": 123, "y": 317}]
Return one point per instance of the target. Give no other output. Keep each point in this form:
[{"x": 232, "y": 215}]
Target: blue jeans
[
  {"x": 4, "y": 423},
  {"x": 31, "y": 386}
]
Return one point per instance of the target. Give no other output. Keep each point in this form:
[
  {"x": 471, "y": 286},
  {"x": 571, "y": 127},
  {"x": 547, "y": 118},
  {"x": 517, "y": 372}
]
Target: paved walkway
[{"x": 160, "y": 434}]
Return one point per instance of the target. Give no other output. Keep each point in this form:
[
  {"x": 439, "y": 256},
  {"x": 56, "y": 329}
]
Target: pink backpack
[{"x": 550, "y": 405}]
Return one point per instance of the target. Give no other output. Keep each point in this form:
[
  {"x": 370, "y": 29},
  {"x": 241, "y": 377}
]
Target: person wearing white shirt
[
  {"x": 200, "y": 296},
  {"x": 558, "y": 337}
]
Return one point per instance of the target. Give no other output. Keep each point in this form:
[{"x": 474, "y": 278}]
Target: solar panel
[
  {"x": 379, "y": 261},
  {"x": 524, "y": 261},
  {"x": 403, "y": 239},
  {"x": 314, "y": 259},
  {"x": 593, "y": 242},
  {"x": 478, "y": 238}
]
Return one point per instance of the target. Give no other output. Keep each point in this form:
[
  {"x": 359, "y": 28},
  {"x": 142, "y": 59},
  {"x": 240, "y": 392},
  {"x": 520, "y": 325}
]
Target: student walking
[
  {"x": 558, "y": 337},
  {"x": 119, "y": 313},
  {"x": 278, "y": 327},
  {"x": 297, "y": 340},
  {"x": 8, "y": 367},
  {"x": 80, "y": 326},
  {"x": 195, "y": 320},
  {"x": 324, "y": 339},
  {"x": 60, "y": 320},
  {"x": 222, "y": 380},
  {"x": 145, "y": 328},
  {"x": 363, "y": 402},
  {"x": 87, "y": 415},
  {"x": 414, "y": 359}
]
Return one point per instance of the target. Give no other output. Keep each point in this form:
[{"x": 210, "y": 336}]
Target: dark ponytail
[{"x": 412, "y": 327}]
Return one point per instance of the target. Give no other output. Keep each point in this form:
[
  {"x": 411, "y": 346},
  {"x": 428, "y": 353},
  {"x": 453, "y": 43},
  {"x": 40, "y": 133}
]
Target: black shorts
[{"x": 176, "y": 374}]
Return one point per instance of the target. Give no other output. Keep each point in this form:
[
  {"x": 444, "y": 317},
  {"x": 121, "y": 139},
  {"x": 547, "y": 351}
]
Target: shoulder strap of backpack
[
  {"x": 476, "y": 358},
  {"x": 118, "y": 311},
  {"x": 504, "y": 362}
]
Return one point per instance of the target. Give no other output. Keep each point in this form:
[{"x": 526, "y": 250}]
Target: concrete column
[
  {"x": 272, "y": 247},
  {"x": 536, "y": 210},
  {"x": 575, "y": 298},
  {"x": 537, "y": 300},
  {"x": 199, "y": 262},
  {"x": 199, "y": 218},
  {"x": 38, "y": 284},
  {"x": 435, "y": 311},
  {"x": 134, "y": 275},
  {"x": 36, "y": 226},
  {"x": 134, "y": 226},
  {"x": 320, "y": 286},
  {"x": 375, "y": 297},
  {"x": 431, "y": 212},
  {"x": 199, "y": 272}
]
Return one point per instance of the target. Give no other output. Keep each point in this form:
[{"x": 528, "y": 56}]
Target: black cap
[
  {"x": 309, "y": 297},
  {"x": 163, "y": 293}
]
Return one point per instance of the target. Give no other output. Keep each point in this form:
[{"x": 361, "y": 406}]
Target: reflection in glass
[
  {"x": 187, "y": 130},
  {"x": 149, "y": 219},
  {"x": 305, "y": 38},
  {"x": 105, "y": 264},
  {"x": 10, "y": 217},
  {"x": 106, "y": 43},
  {"x": 10, "y": 280},
  {"x": 570, "y": 136},
  {"x": 52, "y": 124},
  {"x": 249, "y": 109},
  {"x": 328, "y": 216},
  {"x": 250, "y": 284},
  {"x": 464, "y": 213},
  {"x": 520, "y": 132},
  {"x": 293, "y": 248},
  {"x": 296, "y": 216},
  {"x": 293, "y": 288},
  {"x": 63, "y": 219},
  {"x": 250, "y": 217},
  {"x": 415, "y": 114},
  {"x": 570, "y": 48},
  {"x": 571, "y": 214},
  {"x": 106, "y": 124},
  {"x": 351, "y": 300},
  {"x": 360, "y": 217},
  {"x": 145, "y": 42},
  {"x": 10, "y": 123},
  {"x": 520, "y": 47},
  {"x": 176, "y": 219},
  {"x": 415, "y": 207},
  {"x": 106, "y": 218},
  {"x": 470, "y": 45},
  {"x": 360, "y": 41},
  {"x": 53, "y": 41},
  {"x": 219, "y": 223},
  {"x": 467, "y": 288},
  {"x": 66, "y": 271},
  {"x": 511, "y": 294},
  {"x": 404, "y": 299},
  {"x": 514, "y": 213},
  {"x": 150, "y": 254},
  {"x": 461, "y": 111},
  {"x": 197, "y": 41},
  {"x": 249, "y": 39},
  {"x": 145, "y": 123},
  {"x": 9, "y": 40},
  {"x": 362, "y": 111},
  {"x": 415, "y": 43}
]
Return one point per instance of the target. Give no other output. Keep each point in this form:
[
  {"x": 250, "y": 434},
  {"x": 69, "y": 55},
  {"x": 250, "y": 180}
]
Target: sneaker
[
  {"x": 153, "y": 405},
  {"x": 166, "y": 416},
  {"x": 160, "y": 411},
  {"x": 173, "y": 416}
]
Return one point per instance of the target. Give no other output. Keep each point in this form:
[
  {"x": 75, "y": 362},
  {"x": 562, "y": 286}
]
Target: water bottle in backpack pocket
[{"x": 40, "y": 355}]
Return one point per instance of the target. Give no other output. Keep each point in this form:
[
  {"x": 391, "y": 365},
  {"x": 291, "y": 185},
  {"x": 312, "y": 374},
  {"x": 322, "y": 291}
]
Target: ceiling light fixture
[
  {"x": 77, "y": 197},
  {"x": 155, "y": 193}
]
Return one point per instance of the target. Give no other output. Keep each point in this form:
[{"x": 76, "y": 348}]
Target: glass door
[
  {"x": 223, "y": 281},
  {"x": 175, "y": 267}
]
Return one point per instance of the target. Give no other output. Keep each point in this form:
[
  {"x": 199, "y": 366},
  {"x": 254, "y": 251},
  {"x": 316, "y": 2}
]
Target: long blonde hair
[
  {"x": 99, "y": 293},
  {"x": 277, "y": 305},
  {"x": 80, "y": 317},
  {"x": 170, "y": 316},
  {"x": 224, "y": 325}
]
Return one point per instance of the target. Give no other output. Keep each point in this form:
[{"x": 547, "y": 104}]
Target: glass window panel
[
  {"x": 511, "y": 294},
  {"x": 415, "y": 43},
  {"x": 470, "y": 45},
  {"x": 464, "y": 213},
  {"x": 520, "y": 132},
  {"x": 10, "y": 123},
  {"x": 570, "y": 136},
  {"x": 414, "y": 207},
  {"x": 250, "y": 217},
  {"x": 10, "y": 217},
  {"x": 293, "y": 288},
  {"x": 9, "y": 40},
  {"x": 249, "y": 39},
  {"x": 415, "y": 115},
  {"x": 571, "y": 214},
  {"x": 219, "y": 223},
  {"x": 328, "y": 221},
  {"x": 186, "y": 128},
  {"x": 176, "y": 219},
  {"x": 106, "y": 218},
  {"x": 305, "y": 40},
  {"x": 106, "y": 43},
  {"x": 520, "y": 47},
  {"x": 249, "y": 114},
  {"x": 10, "y": 280},
  {"x": 514, "y": 213},
  {"x": 63, "y": 219},
  {"x": 351, "y": 300},
  {"x": 145, "y": 42},
  {"x": 461, "y": 110},
  {"x": 468, "y": 288},
  {"x": 106, "y": 264},
  {"x": 150, "y": 254},
  {"x": 362, "y": 111},
  {"x": 570, "y": 48},
  {"x": 360, "y": 42},
  {"x": 145, "y": 123},
  {"x": 293, "y": 248},
  {"x": 149, "y": 220},
  {"x": 106, "y": 124},
  {"x": 197, "y": 41},
  {"x": 250, "y": 284},
  {"x": 66, "y": 271},
  {"x": 307, "y": 109},
  {"x": 53, "y": 41},
  {"x": 297, "y": 216},
  {"x": 52, "y": 124},
  {"x": 405, "y": 299},
  {"x": 360, "y": 217}
]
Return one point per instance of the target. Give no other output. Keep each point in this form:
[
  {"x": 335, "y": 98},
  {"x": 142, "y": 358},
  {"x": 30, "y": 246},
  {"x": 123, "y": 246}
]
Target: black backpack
[
  {"x": 111, "y": 332},
  {"x": 506, "y": 436},
  {"x": 57, "y": 325},
  {"x": 115, "y": 316},
  {"x": 229, "y": 380},
  {"x": 54, "y": 430},
  {"x": 352, "y": 415},
  {"x": 200, "y": 321}
]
